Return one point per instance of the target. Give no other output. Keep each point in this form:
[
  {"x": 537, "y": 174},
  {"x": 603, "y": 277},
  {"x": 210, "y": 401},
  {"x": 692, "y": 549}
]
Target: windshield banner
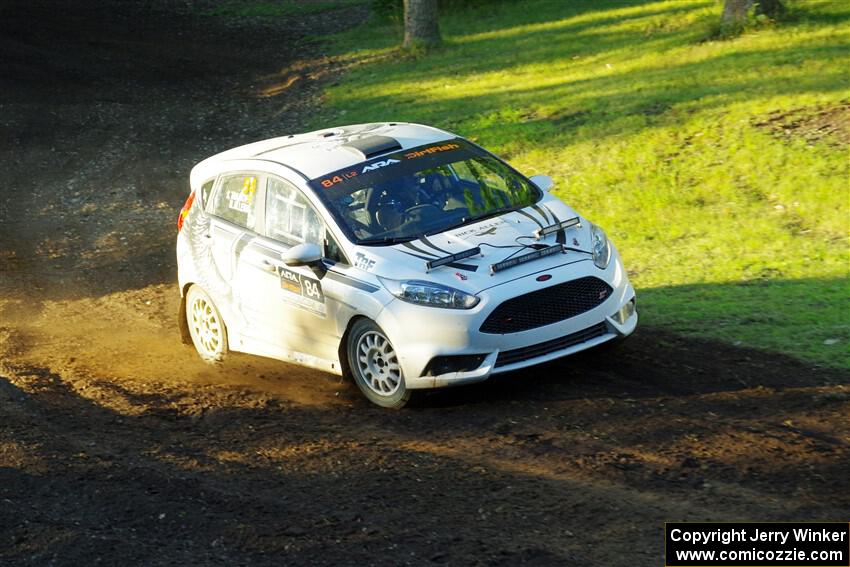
[{"x": 406, "y": 162}]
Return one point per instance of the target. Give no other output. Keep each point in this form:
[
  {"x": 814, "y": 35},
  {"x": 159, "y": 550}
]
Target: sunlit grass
[{"x": 650, "y": 128}]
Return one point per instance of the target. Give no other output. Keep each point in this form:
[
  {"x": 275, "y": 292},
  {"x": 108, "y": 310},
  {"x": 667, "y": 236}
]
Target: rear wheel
[
  {"x": 206, "y": 326},
  {"x": 374, "y": 365}
]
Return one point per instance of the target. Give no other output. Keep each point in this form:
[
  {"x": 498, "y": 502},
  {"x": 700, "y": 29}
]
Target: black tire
[
  {"x": 206, "y": 326},
  {"x": 374, "y": 365}
]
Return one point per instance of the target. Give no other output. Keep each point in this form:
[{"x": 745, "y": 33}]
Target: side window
[
  {"x": 234, "y": 199},
  {"x": 206, "y": 188},
  {"x": 333, "y": 250},
  {"x": 289, "y": 217}
]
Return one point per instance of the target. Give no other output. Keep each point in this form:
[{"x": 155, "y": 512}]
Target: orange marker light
[{"x": 184, "y": 212}]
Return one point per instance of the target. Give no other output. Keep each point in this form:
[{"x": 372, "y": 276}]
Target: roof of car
[{"x": 315, "y": 153}]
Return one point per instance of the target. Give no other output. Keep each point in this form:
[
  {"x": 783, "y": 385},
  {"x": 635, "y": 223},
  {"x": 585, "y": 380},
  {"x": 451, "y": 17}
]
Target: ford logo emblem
[{"x": 544, "y": 277}]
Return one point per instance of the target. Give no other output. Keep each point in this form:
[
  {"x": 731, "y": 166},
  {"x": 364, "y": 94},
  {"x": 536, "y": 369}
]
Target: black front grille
[
  {"x": 527, "y": 353},
  {"x": 547, "y": 306}
]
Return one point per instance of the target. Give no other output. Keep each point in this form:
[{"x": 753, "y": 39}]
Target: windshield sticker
[
  {"x": 375, "y": 170},
  {"x": 380, "y": 164},
  {"x": 242, "y": 200},
  {"x": 338, "y": 178},
  {"x": 432, "y": 150}
]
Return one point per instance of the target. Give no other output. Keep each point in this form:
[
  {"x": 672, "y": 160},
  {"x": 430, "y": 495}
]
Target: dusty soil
[
  {"x": 117, "y": 446},
  {"x": 829, "y": 124}
]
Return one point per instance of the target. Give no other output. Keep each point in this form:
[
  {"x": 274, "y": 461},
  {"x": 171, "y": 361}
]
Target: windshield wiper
[{"x": 386, "y": 240}]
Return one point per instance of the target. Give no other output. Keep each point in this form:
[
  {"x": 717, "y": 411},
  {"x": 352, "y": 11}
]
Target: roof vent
[{"x": 372, "y": 146}]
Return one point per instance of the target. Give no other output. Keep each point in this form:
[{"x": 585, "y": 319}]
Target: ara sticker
[
  {"x": 306, "y": 287},
  {"x": 380, "y": 164},
  {"x": 363, "y": 262}
]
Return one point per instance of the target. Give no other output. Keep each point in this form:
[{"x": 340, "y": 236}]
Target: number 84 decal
[{"x": 307, "y": 287}]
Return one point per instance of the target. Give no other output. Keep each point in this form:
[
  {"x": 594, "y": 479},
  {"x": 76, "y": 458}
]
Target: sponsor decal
[
  {"x": 242, "y": 200},
  {"x": 379, "y": 165},
  {"x": 484, "y": 229},
  {"x": 461, "y": 277},
  {"x": 307, "y": 287},
  {"x": 575, "y": 241},
  {"x": 338, "y": 178},
  {"x": 361, "y": 174},
  {"x": 363, "y": 262},
  {"x": 544, "y": 277},
  {"x": 431, "y": 150}
]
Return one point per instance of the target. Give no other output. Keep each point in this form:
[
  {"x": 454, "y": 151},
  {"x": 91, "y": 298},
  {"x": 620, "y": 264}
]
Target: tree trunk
[
  {"x": 770, "y": 8},
  {"x": 420, "y": 23},
  {"x": 735, "y": 12}
]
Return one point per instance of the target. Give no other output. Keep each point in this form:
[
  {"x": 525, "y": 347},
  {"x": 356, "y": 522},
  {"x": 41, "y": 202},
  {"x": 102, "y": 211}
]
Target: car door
[
  {"x": 233, "y": 214},
  {"x": 296, "y": 309}
]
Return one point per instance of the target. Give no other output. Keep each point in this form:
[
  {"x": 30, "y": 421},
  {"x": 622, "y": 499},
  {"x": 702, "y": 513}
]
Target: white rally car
[{"x": 399, "y": 254}]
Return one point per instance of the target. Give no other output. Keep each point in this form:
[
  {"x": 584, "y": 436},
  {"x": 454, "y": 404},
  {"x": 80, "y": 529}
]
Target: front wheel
[
  {"x": 374, "y": 365},
  {"x": 206, "y": 326}
]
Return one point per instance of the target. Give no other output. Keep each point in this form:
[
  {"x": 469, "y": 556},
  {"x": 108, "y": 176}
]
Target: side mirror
[
  {"x": 306, "y": 254},
  {"x": 543, "y": 182},
  {"x": 302, "y": 255}
]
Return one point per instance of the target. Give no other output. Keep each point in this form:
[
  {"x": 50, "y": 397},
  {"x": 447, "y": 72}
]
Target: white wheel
[
  {"x": 375, "y": 367},
  {"x": 206, "y": 326}
]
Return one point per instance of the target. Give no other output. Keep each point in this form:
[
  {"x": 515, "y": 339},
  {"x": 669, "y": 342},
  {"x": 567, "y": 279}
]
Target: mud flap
[{"x": 182, "y": 324}]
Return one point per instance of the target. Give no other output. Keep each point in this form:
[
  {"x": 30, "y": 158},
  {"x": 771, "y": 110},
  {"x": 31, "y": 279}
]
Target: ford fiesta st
[{"x": 403, "y": 256}]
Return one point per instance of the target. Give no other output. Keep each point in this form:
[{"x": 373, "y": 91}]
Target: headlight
[
  {"x": 430, "y": 294},
  {"x": 600, "y": 246}
]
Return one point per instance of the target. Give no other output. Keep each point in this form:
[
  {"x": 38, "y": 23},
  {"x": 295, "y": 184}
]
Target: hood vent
[{"x": 372, "y": 146}]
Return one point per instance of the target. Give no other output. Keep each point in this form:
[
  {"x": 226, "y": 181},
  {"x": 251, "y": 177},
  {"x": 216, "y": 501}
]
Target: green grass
[{"x": 650, "y": 129}]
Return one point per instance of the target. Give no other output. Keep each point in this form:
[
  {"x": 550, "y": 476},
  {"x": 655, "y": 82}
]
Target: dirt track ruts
[{"x": 117, "y": 446}]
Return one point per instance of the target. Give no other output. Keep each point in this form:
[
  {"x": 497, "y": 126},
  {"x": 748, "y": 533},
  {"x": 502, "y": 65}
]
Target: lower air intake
[{"x": 507, "y": 357}]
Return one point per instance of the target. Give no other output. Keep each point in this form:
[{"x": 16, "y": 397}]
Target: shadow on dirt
[{"x": 96, "y": 469}]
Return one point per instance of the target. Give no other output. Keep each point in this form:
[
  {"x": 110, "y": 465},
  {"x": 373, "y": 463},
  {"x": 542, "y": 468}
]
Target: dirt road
[{"x": 117, "y": 446}]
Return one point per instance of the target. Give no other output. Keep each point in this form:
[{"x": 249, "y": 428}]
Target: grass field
[{"x": 719, "y": 167}]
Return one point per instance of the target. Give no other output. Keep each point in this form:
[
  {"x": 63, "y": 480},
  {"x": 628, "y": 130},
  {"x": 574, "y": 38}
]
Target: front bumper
[{"x": 420, "y": 333}]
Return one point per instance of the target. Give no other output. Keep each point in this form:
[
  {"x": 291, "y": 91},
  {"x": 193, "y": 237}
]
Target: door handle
[{"x": 270, "y": 266}]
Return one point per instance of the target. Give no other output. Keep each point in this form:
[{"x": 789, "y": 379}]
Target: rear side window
[
  {"x": 289, "y": 217},
  {"x": 206, "y": 188},
  {"x": 234, "y": 200}
]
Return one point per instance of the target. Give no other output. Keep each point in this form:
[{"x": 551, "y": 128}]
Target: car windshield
[{"x": 422, "y": 191}]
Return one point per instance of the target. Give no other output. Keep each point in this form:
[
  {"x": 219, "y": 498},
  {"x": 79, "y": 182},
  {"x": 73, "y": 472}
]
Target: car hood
[{"x": 497, "y": 237}]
